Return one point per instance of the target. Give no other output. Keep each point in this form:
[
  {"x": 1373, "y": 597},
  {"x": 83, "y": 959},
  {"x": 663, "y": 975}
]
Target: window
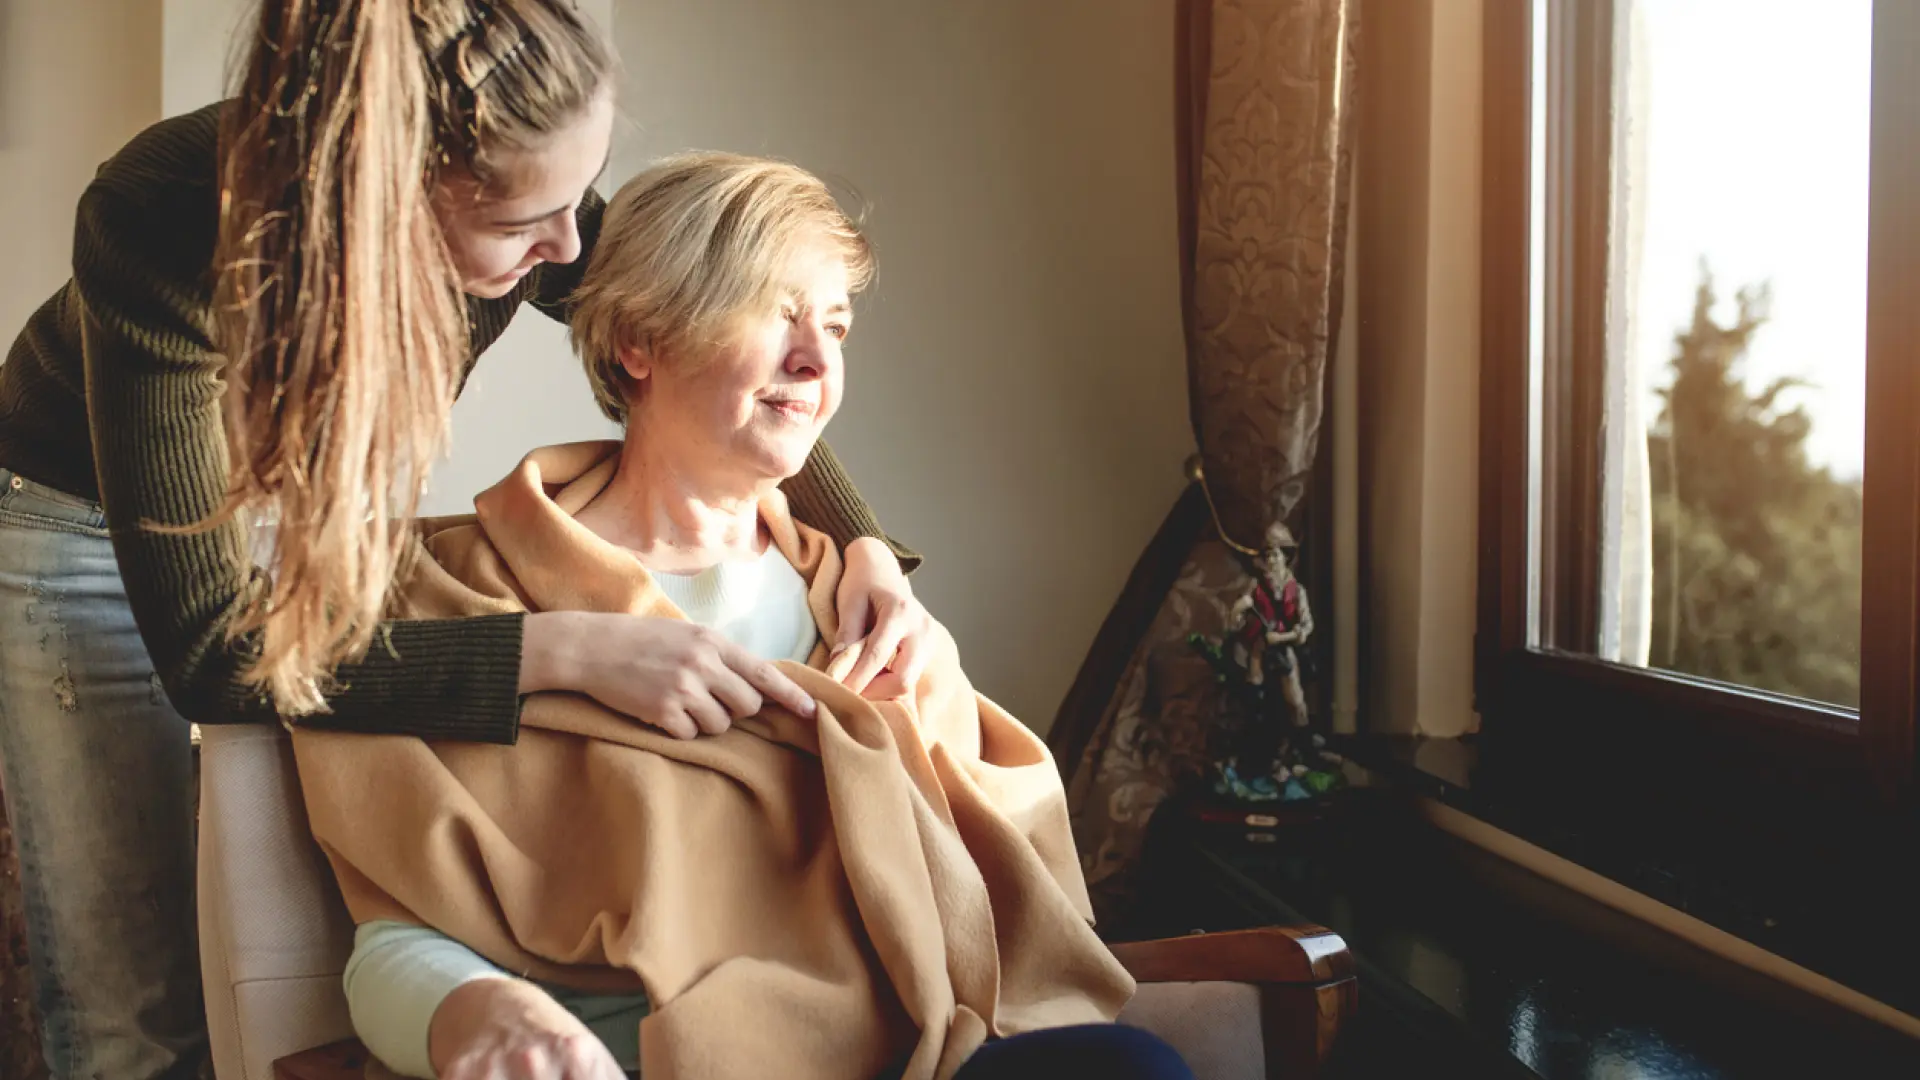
[{"x": 1701, "y": 411}]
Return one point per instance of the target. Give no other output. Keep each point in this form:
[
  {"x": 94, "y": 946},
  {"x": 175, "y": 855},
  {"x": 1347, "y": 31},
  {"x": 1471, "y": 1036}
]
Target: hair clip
[{"x": 477, "y": 17}]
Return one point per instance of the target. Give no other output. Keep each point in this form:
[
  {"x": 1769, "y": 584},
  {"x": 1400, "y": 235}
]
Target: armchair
[{"x": 275, "y": 937}]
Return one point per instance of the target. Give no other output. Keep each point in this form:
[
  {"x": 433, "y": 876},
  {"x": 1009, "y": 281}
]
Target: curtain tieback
[{"x": 1197, "y": 472}]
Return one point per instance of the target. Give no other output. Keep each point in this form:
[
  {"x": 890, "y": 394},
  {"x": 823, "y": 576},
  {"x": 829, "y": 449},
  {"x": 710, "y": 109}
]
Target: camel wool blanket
[{"x": 890, "y": 881}]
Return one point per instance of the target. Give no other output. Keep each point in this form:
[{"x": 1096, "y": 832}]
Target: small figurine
[
  {"x": 1274, "y": 757},
  {"x": 1270, "y": 621}
]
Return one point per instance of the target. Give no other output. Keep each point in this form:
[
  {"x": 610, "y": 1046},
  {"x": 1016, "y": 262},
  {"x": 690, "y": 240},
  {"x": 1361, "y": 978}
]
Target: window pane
[{"x": 1734, "y": 405}]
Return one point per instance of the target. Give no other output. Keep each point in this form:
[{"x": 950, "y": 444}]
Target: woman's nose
[
  {"x": 815, "y": 350},
  {"x": 563, "y": 246}
]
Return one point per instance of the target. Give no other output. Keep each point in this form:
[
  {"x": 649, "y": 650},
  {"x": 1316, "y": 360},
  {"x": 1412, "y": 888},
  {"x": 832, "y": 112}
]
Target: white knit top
[{"x": 758, "y": 604}]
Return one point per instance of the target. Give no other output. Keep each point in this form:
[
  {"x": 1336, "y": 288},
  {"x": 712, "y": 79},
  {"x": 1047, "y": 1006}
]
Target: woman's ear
[{"x": 636, "y": 361}]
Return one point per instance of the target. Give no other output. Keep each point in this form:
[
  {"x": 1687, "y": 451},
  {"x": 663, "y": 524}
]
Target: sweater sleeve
[
  {"x": 396, "y": 980},
  {"x": 142, "y": 248},
  {"x": 822, "y": 495}
]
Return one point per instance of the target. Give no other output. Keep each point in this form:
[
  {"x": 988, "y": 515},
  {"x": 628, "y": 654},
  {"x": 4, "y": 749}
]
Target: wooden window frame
[{"x": 1558, "y": 703}]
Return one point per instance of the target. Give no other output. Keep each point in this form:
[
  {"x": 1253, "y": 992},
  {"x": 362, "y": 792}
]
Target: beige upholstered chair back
[{"x": 274, "y": 934}]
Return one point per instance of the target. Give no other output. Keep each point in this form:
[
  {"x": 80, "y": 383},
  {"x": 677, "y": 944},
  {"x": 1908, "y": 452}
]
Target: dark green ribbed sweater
[{"x": 112, "y": 392}]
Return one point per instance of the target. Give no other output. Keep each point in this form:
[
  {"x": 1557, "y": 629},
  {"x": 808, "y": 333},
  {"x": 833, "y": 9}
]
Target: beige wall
[
  {"x": 1418, "y": 305},
  {"x": 1017, "y": 402},
  {"x": 77, "y": 79},
  {"x": 199, "y": 49}
]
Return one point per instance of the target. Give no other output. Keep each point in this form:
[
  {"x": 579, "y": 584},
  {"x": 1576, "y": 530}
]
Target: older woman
[{"x": 885, "y": 886}]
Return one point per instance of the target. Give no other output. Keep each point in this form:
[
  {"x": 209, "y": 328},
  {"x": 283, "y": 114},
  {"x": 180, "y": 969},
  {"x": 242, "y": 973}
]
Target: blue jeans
[
  {"x": 98, "y": 773},
  {"x": 1109, "y": 1051}
]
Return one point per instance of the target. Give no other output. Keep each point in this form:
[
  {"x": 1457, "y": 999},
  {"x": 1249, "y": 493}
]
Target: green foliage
[{"x": 1756, "y": 551}]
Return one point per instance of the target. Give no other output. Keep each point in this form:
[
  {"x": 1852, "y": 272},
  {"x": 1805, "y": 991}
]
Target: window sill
[
  {"x": 1829, "y": 892},
  {"x": 1471, "y": 965}
]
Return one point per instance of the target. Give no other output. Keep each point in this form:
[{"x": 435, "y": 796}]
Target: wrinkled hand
[
  {"x": 878, "y": 611},
  {"x": 509, "y": 1029},
  {"x": 684, "y": 679}
]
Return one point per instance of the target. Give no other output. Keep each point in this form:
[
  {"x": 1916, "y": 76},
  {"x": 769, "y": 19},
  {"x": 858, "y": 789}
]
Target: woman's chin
[
  {"x": 784, "y": 461},
  {"x": 496, "y": 287},
  {"x": 487, "y": 290}
]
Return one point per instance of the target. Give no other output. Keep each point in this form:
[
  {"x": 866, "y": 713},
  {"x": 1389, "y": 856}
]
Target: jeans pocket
[{"x": 34, "y": 505}]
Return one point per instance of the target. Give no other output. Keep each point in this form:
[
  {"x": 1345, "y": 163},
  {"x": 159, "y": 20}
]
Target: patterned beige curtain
[{"x": 1264, "y": 129}]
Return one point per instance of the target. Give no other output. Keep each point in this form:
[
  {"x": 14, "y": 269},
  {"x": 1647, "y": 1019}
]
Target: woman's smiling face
[
  {"x": 525, "y": 214},
  {"x": 754, "y": 406}
]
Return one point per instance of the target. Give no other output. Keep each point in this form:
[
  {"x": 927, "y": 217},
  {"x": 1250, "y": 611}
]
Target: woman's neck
[{"x": 673, "y": 518}]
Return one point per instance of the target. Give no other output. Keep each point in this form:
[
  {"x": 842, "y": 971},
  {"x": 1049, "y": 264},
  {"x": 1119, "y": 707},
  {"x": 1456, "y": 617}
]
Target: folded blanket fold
[{"x": 887, "y": 881}]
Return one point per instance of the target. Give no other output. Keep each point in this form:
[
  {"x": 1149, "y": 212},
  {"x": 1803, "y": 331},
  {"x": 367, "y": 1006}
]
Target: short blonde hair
[{"x": 690, "y": 244}]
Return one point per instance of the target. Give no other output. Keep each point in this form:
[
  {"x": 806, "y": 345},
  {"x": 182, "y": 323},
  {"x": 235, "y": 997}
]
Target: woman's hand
[
  {"x": 510, "y": 1029},
  {"x": 876, "y": 603},
  {"x": 684, "y": 679}
]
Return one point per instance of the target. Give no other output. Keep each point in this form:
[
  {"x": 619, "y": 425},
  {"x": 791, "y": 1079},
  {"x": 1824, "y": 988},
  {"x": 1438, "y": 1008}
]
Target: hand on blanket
[
  {"x": 508, "y": 1029},
  {"x": 876, "y": 603},
  {"x": 684, "y": 679}
]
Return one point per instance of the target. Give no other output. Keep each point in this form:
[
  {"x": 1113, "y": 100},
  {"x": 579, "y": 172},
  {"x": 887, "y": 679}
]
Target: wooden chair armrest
[
  {"x": 1273, "y": 955},
  {"x": 344, "y": 1060},
  {"x": 1304, "y": 975}
]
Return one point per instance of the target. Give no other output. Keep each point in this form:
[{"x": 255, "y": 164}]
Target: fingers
[
  {"x": 509, "y": 1029},
  {"x": 886, "y": 686},
  {"x": 703, "y": 694},
  {"x": 855, "y": 614},
  {"x": 733, "y": 691},
  {"x": 840, "y": 662},
  {"x": 706, "y": 682},
  {"x": 674, "y": 721},
  {"x": 910, "y": 662},
  {"x": 872, "y": 572},
  {"x": 572, "y": 1057},
  {"x": 889, "y": 628},
  {"x": 586, "y": 1058},
  {"x": 774, "y": 685},
  {"x": 706, "y": 712},
  {"x": 903, "y": 674}
]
